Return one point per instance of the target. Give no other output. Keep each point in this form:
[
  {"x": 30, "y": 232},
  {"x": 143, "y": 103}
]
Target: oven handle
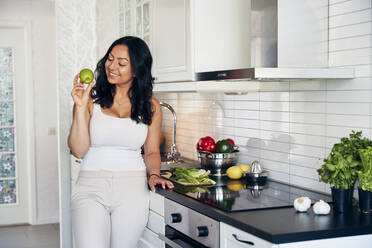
[
  {"x": 168, "y": 241},
  {"x": 243, "y": 241}
]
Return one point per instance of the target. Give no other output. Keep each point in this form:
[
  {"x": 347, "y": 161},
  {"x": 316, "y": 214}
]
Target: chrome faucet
[{"x": 174, "y": 155}]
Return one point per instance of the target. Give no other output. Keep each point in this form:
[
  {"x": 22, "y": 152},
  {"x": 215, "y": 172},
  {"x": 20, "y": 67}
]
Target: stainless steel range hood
[{"x": 289, "y": 40}]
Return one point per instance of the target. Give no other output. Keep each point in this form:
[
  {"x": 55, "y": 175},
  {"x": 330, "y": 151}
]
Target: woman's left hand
[{"x": 157, "y": 180}]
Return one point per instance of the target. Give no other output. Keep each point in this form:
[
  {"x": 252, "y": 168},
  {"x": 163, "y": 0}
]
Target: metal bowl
[
  {"x": 217, "y": 163},
  {"x": 256, "y": 177}
]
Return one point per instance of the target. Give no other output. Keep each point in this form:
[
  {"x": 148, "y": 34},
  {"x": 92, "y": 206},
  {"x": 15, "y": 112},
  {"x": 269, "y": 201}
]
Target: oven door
[{"x": 176, "y": 239}]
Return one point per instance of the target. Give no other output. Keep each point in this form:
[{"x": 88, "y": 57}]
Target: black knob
[
  {"x": 202, "y": 231},
  {"x": 176, "y": 218}
]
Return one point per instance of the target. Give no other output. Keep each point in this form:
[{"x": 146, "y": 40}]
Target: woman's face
[{"x": 118, "y": 66}]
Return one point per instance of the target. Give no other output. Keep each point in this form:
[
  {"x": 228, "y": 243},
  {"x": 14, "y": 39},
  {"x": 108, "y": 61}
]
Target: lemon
[
  {"x": 235, "y": 185},
  {"x": 86, "y": 75},
  {"x": 245, "y": 167},
  {"x": 234, "y": 172}
]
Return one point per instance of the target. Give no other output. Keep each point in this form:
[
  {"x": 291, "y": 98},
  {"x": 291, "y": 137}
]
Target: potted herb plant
[
  {"x": 365, "y": 180},
  {"x": 340, "y": 169}
]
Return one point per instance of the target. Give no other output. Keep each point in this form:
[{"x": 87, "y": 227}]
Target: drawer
[
  {"x": 228, "y": 240},
  {"x": 157, "y": 203},
  {"x": 156, "y": 223},
  {"x": 150, "y": 239}
]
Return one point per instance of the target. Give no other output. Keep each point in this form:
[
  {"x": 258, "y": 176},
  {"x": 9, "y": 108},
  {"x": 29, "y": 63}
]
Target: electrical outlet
[{"x": 52, "y": 131}]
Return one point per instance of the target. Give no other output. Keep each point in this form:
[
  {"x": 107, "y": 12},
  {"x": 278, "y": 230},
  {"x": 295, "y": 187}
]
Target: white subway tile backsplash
[
  {"x": 275, "y": 156},
  {"x": 247, "y": 142},
  {"x": 307, "y": 107},
  {"x": 274, "y": 126},
  {"x": 245, "y": 123},
  {"x": 247, "y": 132},
  {"x": 349, "y": 96},
  {"x": 348, "y": 6},
  {"x": 274, "y": 116},
  {"x": 350, "y": 30},
  {"x": 350, "y": 18},
  {"x": 292, "y": 125},
  {"x": 304, "y": 172},
  {"x": 345, "y": 84},
  {"x": 274, "y": 165},
  {"x": 274, "y": 145},
  {"x": 305, "y": 161},
  {"x": 275, "y": 136},
  {"x": 309, "y": 183},
  {"x": 362, "y": 71},
  {"x": 308, "y": 118},
  {"x": 274, "y": 96},
  {"x": 361, "y": 121},
  {"x": 247, "y": 105},
  {"x": 351, "y": 57},
  {"x": 307, "y": 150},
  {"x": 279, "y": 176},
  {"x": 304, "y": 128},
  {"x": 364, "y": 41},
  {"x": 336, "y": 131},
  {"x": 307, "y": 96},
  {"x": 348, "y": 108},
  {"x": 246, "y": 114},
  {"x": 304, "y": 139},
  {"x": 274, "y": 106}
]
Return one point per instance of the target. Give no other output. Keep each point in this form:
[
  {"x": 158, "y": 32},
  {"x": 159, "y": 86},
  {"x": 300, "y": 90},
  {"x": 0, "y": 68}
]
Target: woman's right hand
[{"x": 79, "y": 94}]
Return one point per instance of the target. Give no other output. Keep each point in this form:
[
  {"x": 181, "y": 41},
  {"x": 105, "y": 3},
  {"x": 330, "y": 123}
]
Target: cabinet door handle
[
  {"x": 243, "y": 241},
  {"x": 168, "y": 241}
]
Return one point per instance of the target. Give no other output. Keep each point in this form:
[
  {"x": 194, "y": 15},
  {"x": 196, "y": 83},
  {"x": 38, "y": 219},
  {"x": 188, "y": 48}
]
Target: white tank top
[{"x": 115, "y": 143}]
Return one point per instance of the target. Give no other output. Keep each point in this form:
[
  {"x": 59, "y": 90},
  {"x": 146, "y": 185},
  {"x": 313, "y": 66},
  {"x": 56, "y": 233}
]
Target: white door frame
[{"x": 30, "y": 127}]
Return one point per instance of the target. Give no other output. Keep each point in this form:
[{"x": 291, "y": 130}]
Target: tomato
[{"x": 206, "y": 143}]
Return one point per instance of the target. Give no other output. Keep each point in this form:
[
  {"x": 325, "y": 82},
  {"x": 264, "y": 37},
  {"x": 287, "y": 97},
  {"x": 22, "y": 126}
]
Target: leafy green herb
[
  {"x": 340, "y": 168},
  {"x": 190, "y": 175},
  {"x": 365, "y": 174}
]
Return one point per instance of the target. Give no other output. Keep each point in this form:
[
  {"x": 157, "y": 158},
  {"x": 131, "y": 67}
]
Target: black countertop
[{"x": 283, "y": 225}]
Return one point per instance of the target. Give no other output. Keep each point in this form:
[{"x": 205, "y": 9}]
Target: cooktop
[{"x": 238, "y": 195}]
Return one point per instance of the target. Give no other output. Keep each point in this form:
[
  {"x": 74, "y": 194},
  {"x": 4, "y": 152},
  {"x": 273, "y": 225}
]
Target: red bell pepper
[
  {"x": 231, "y": 141},
  {"x": 206, "y": 144}
]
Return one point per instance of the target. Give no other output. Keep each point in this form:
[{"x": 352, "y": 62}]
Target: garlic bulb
[
  {"x": 321, "y": 207},
  {"x": 302, "y": 204}
]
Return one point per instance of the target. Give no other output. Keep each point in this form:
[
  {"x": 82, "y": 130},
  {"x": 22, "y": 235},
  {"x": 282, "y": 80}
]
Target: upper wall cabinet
[
  {"x": 135, "y": 18},
  {"x": 184, "y": 29}
]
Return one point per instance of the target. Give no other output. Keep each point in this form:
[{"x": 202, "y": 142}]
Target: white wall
[
  {"x": 290, "y": 126},
  {"x": 107, "y": 25},
  {"x": 41, "y": 15},
  {"x": 76, "y": 49}
]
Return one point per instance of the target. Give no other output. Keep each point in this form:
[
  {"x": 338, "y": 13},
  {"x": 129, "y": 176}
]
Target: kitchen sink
[{"x": 183, "y": 162}]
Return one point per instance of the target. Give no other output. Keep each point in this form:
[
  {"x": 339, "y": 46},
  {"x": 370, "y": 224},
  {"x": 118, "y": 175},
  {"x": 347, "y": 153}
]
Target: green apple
[{"x": 86, "y": 75}]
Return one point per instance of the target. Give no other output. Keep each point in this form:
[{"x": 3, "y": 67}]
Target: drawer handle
[
  {"x": 168, "y": 241},
  {"x": 243, "y": 241}
]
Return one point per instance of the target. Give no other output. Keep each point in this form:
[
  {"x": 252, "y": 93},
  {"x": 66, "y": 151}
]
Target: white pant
[{"x": 109, "y": 209}]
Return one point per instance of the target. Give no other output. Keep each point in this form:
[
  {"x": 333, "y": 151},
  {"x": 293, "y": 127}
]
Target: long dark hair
[{"x": 140, "y": 92}]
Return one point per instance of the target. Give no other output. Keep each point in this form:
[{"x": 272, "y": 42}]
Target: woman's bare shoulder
[{"x": 155, "y": 102}]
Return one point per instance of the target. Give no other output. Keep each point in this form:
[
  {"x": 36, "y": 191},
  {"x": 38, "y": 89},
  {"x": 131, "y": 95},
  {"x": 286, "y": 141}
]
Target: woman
[{"x": 111, "y": 121}]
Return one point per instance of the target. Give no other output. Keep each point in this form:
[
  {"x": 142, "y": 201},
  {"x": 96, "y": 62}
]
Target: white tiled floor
[{"x": 38, "y": 236}]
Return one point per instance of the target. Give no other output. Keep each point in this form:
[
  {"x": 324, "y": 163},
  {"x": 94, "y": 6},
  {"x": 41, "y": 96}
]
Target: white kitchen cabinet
[
  {"x": 231, "y": 237},
  {"x": 227, "y": 240},
  {"x": 155, "y": 224},
  {"x": 135, "y": 18},
  {"x": 183, "y": 31},
  {"x": 360, "y": 241}
]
